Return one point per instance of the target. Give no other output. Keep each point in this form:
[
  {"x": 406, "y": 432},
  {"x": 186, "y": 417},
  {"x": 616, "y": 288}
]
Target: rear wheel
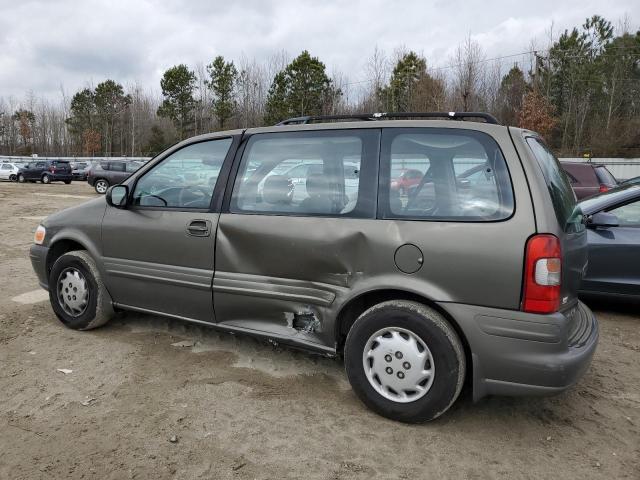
[
  {"x": 405, "y": 361},
  {"x": 12, "y": 178},
  {"x": 67, "y": 182},
  {"x": 101, "y": 186},
  {"x": 77, "y": 294},
  {"x": 21, "y": 178},
  {"x": 46, "y": 179}
]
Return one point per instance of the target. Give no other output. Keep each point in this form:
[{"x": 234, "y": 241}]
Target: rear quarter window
[
  {"x": 462, "y": 176},
  {"x": 562, "y": 197}
]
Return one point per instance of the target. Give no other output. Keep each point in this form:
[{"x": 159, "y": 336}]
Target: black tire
[
  {"x": 12, "y": 178},
  {"x": 101, "y": 186},
  {"x": 46, "y": 179},
  {"x": 67, "y": 182},
  {"x": 98, "y": 308},
  {"x": 21, "y": 178},
  {"x": 449, "y": 362}
]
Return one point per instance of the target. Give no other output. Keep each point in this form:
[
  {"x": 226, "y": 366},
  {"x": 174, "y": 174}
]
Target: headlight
[{"x": 38, "y": 237}]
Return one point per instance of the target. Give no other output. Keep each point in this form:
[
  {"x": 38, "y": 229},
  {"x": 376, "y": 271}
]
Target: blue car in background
[{"x": 613, "y": 222}]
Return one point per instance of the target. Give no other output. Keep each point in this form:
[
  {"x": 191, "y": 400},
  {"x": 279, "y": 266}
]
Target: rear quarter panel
[{"x": 573, "y": 245}]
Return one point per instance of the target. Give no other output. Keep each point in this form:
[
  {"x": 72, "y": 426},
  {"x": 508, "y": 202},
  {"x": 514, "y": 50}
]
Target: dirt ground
[{"x": 239, "y": 408}]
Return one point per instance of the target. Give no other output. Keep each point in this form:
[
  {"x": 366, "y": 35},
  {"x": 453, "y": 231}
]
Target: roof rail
[{"x": 488, "y": 118}]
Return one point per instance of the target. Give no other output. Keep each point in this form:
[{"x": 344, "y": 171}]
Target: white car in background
[{"x": 9, "y": 171}]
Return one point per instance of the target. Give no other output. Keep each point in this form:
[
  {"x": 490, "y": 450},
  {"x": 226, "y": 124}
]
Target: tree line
[{"x": 582, "y": 93}]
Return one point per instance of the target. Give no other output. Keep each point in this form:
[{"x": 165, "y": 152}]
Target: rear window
[
  {"x": 456, "y": 175},
  {"x": 564, "y": 200},
  {"x": 605, "y": 176}
]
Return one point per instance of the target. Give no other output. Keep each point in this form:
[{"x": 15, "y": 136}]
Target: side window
[
  {"x": 6, "y": 166},
  {"x": 628, "y": 215},
  {"x": 184, "y": 179},
  {"x": 105, "y": 165},
  {"x": 305, "y": 173},
  {"x": 461, "y": 175},
  {"x": 117, "y": 166},
  {"x": 132, "y": 166},
  {"x": 40, "y": 165}
]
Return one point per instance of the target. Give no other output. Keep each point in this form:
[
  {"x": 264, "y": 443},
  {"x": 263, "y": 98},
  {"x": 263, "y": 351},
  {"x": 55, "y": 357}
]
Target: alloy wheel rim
[
  {"x": 398, "y": 364},
  {"x": 101, "y": 186},
  {"x": 73, "y": 292}
]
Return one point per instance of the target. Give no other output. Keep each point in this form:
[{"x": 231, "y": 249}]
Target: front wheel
[
  {"x": 405, "y": 361},
  {"x": 12, "y": 178},
  {"x": 101, "y": 186},
  {"x": 67, "y": 182},
  {"x": 46, "y": 179},
  {"x": 21, "y": 178},
  {"x": 77, "y": 294}
]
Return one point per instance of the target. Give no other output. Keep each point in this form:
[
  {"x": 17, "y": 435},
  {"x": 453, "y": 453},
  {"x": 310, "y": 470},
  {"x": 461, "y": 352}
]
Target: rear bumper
[
  {"x": 38, "y": 255},
  {"x": 56, "y": 177},
  {"x": 517, "y": 353}
]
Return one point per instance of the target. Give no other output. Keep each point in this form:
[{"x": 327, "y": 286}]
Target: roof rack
[{"x": 488, "y": 118}]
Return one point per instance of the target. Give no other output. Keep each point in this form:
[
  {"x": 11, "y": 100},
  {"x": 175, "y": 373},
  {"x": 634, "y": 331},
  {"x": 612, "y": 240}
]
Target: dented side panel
[{"x": 292, "y": 275}]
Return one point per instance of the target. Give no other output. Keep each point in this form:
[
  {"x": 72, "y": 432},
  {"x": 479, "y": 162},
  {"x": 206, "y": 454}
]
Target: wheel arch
[
  {"x": 355, "y": 306},
  {"x": 64, "y": 243}
]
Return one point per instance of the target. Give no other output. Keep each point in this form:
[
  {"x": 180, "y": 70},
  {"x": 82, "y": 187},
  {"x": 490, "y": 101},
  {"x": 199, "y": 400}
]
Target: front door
[
  {"x": 611, "y": 267},
  {"x": 159, "y": 252}
]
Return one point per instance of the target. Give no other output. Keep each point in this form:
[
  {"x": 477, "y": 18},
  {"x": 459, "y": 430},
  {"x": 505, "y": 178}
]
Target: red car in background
[
  {"x": 588, "y": 179},
  {"x": 404, "y": 179}
]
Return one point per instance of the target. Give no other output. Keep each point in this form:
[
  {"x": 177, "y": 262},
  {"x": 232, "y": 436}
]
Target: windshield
[{"x": 568, "y": 213}]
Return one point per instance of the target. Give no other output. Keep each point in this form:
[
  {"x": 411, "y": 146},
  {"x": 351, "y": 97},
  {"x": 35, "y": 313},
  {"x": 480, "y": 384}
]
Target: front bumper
[
  {"x": 38, "y": 255},
  {"x": 518, "y": 353}
]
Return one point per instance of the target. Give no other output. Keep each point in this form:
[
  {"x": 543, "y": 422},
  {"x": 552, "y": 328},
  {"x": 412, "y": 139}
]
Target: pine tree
[
  {"x": 178, "y": 84},
  {"x": 222, "y": 82},
  {"x": 302, "y": 88}
]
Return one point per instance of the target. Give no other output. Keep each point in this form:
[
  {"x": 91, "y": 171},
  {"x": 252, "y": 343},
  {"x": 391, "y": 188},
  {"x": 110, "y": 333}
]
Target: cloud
[{"x": 45, "y": 44}]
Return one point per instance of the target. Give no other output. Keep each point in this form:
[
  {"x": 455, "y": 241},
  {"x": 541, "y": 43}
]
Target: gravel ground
[{"x": 220, "y": 406}]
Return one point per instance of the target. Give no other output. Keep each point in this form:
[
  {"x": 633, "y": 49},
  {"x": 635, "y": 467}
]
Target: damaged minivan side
[{"x": 305, "y": 234}]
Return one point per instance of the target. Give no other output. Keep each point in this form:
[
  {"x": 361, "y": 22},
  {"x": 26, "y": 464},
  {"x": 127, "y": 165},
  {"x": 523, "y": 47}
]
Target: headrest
[{"x": 277, "y": 190}]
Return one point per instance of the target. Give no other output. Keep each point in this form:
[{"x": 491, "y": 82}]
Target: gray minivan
[{"x": 472, "y": 275}]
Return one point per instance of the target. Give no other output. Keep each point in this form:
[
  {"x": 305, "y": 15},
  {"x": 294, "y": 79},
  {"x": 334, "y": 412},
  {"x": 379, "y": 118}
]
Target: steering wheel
[{"x": 193, "y": 190}]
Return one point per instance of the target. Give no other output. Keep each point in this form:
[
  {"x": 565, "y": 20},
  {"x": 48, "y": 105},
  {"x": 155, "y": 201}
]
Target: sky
[{"x": 49, "y": 44}]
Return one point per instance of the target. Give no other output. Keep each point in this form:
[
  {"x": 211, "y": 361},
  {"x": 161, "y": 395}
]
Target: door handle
[{"x": 199, "y": 228}]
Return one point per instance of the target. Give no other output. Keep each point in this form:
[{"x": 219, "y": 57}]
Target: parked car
[
  {"x": 588, "y": 179},
  {"x": 46, "y": 171},
  {"x": 80, "y": 170},
  {"x": 110, "y": 172},
  {"x": 613, "y": 219},
  {"x": 9, "y": 171},
  {"x": 417, "y": 296},
  {"x": 403, "y": 179},
  {"x": 299, "y": 172}
]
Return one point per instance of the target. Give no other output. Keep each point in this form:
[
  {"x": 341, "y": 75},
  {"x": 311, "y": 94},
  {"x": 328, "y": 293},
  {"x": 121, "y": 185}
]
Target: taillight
[
  {"x": 603, "y": 188},
  {"x": 52, "y": 169},
  {"x": 542, "y": 275}
]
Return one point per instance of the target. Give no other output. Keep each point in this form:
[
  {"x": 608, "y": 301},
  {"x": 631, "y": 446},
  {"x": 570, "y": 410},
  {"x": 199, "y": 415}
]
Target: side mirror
[
  {"x": 603, "y": 219},
  {"x": 118, "y": 196}
]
